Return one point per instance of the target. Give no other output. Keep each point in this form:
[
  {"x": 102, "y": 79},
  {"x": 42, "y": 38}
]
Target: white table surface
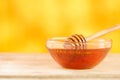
[{"x": 43, "y": 67}]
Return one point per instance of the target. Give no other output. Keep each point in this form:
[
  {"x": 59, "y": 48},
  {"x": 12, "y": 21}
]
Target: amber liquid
[{"x": 79, "y": 59}]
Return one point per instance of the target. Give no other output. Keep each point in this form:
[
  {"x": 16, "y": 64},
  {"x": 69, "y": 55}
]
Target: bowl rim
[{"x": 63, "y": 39}]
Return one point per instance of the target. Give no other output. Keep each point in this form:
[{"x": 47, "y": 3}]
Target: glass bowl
[{"x": 68, "y": 56}]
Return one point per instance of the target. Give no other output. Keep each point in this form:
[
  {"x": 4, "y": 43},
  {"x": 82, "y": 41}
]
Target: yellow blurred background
[{"x": 25, "y": 25}]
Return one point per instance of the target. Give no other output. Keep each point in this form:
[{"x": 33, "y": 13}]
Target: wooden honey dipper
[{"x": 79, "y": 40}]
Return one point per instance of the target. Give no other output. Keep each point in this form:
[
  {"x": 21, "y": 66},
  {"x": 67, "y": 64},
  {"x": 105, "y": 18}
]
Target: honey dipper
[{"x": 78, "y": 40}]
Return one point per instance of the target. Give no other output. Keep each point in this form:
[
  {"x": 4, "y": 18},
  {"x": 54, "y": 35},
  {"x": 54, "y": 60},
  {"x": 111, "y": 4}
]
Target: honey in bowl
[{"x": 77, "y": 58}]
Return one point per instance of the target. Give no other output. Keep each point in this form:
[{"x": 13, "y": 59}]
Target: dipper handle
[{"x": 103, "y": 32}]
